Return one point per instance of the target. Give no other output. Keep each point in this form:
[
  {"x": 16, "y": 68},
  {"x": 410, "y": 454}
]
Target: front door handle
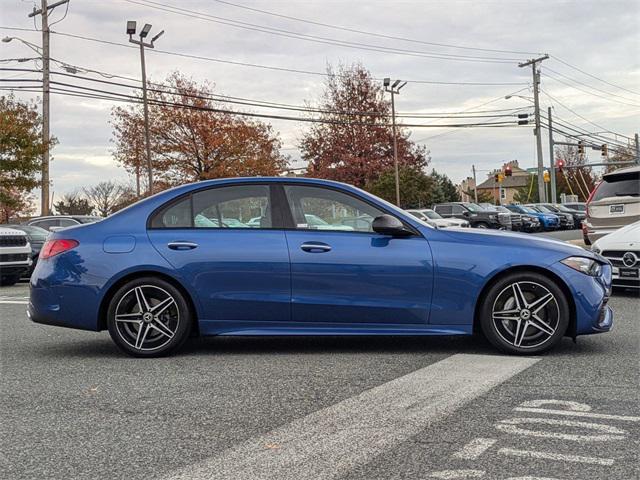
[
  {"x": 315, "y": 247},
  {"x": 182, "y": 245}
]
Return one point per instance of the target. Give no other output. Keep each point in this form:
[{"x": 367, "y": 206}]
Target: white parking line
[
  {"x": 14, "y": 302},
  {"x": 475, "y": 448},
  {"x": 555, "y": 456},
  {"x": 332, "y": 441},
  {"x": 570, "y": 413}
]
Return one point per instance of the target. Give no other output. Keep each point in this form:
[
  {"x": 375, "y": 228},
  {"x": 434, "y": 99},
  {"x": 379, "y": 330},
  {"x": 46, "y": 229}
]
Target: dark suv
[{"x": 477, "y": 216}]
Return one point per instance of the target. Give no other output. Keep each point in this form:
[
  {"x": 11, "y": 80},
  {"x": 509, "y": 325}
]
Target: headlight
[
  {"x": 526, "y": 217},
  {"x": 584, "y": 265},
  {"x": 492, "y": 217},
  {"x": 596, "y": 248}
]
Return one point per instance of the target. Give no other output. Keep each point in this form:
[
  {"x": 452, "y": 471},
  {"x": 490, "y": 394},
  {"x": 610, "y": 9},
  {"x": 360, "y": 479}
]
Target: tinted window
[
  {"x": 67, "y": 222},
  {"x": 443, "y": 209},
  {"x": 318, "y": 208},
  {"x": 623, "y": 185},
  {"x": 457, "y": 210},
  {"x": 46, "y": 224},
  {"x": 244, "y": 206}
]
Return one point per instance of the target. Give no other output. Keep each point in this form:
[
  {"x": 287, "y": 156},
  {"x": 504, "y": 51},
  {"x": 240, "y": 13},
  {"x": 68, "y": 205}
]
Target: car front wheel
[
  {"x": 525, "y": 313},
  {"x": 148, "y": 317}
]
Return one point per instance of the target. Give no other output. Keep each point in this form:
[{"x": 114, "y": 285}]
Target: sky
[{"x": 601, "y": 38}]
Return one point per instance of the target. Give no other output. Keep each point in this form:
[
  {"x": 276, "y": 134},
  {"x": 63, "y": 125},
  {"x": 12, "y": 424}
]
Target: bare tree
[{"x": 106, "y": 197}]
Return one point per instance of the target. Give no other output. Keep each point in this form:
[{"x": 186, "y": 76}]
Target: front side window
[
  {"x": 242, "y": 206},
  {"x": 316, "y": 208},
  {"x": 457, "y": 210}
]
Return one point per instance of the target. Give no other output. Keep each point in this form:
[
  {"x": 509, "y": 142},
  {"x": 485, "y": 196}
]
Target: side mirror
[
  {"x": 390, "y": 225},
  {"x": 465, "y": 213}
]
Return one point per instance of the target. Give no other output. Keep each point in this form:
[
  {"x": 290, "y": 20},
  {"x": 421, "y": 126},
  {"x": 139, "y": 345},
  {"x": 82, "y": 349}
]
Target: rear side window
[
  {"x": 242, "y": 206},
  {"x": 443, "y": 209},
  {"x": 46, "y": 224},
  {"x": 619, "y": 186}
]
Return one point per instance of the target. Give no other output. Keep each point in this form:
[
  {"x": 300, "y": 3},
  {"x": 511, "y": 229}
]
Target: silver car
[{"x": 614, "y": 203}]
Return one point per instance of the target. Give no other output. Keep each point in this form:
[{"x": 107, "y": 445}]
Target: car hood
[
  {"x": 514, "y": 239},
  {"x": 626, "y": 238}
]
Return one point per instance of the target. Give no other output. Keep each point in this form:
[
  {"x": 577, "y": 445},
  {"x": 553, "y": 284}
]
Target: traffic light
[
  {"x": 523, "y": 119},
  {"x": 500, "y": 178},
  {"x": 560, "y": 165},
  {"x": 604, "y": 151},
  {"x": 507, "y": 171},
  {"x": 496, "y": 178},
  {"x": 546, "y": 176},
  {"x": 580, "y": 148}
]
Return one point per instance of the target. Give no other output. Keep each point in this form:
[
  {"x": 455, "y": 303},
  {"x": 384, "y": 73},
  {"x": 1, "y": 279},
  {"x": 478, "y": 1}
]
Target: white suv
[{"x": 15, "y": 255}]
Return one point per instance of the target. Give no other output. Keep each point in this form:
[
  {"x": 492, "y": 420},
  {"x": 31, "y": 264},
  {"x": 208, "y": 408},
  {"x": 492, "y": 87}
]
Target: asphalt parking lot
[{"x": 73, "y": 407}]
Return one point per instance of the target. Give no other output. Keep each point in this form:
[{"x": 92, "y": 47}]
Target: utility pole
[
  {"x": 394, "y": 90},
  {"x": 552, "y": 158},
  {"x": 637, "y": 149},
  {"x": 475, "y": 184},
  {"x": 44, "y": 12},
  {"x": 536, "y": 102},
  {"x": 131, "y": 30}
]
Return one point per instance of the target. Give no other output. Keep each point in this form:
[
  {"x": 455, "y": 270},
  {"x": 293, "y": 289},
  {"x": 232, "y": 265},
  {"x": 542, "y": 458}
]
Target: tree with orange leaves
[
  {"x": 354, "y": 142},
  {"x": 191, "y": 139}
]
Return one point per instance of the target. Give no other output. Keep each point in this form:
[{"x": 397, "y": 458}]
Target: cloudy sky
[{"x": 599, "y": 37}]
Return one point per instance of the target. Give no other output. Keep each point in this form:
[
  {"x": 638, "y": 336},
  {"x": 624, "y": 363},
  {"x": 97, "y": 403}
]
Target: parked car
[
  {"x": 565, "y": 221},
  {"x": 150, "y": 276},
  {"x": 546, "y": 221},
  {"x": 432, "y": 218},
  {"x": 622, "y": 249},
  {"x": 614, "y": 203},
  {"x": 515, "y": 219},
  {"x": 15, "y": 255},
  {"x": 578, "y": 216},
  {"x": 56, "y": 222},
  {"x": 577, "y": 206},
  {"x": 572, "y": 219},
  {"x": 477, "y": 216},
  {"x": 36, "y": 237}
]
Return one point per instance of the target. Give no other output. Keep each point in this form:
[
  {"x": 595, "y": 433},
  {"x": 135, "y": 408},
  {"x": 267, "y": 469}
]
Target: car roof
[{"x": 621, "y": 171}]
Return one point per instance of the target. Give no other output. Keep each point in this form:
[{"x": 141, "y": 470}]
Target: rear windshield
[{"x": 622, "y": 186}]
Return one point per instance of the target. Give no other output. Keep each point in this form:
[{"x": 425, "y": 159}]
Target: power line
[
  {"x": 260, "y": 66},
  {"x": 583, "y": 118},
  {"x": 589, "y": 86},
  {"x": 592, "y": 76},
  {"x": 314, "y": 38},
  {"x": 497, "y": 113},
  {"x": 120, "y": 97},
  {"x": 380, "y": 35},
  {"x": 591, "y": 93}
]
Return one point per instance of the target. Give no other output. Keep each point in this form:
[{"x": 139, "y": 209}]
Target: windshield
[
  {"x": 620, "y": 186},
  {"x": 431, "y": 214},
  {"x": 529, "y": 210},
  {"x": 562, "y": 208},
  {"x": 88, "y": 219},
  {"x": 474, "y": 207},
  {"x": 502, "y": 209},
  {"x": 542, "y": 208}
]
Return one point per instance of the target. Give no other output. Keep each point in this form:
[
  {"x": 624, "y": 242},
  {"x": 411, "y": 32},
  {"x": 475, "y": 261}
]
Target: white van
[{"x": 15, "y": 255}]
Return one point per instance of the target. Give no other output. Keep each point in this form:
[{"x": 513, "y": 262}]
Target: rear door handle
[
  {"x": 182, "y": 245},
  {"x": 315, "y": 247}
]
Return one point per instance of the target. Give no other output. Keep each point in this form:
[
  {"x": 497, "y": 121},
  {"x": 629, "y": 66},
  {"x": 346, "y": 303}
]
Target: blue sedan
[{"x": 241, "y": 257}]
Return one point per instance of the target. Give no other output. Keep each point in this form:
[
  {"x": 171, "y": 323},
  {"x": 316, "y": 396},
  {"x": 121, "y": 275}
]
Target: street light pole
[
  {"x": 394, "y": 90},
  {"x": 536, "y": 102},
  {"x": 552, "y": 159},
  {"x": 131, "y": 30}
]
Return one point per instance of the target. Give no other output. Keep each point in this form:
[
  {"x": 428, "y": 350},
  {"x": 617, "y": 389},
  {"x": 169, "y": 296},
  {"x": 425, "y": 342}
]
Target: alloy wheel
[
  {"x": 147, "y": 317},
  {"x": 526, "y": 314}
]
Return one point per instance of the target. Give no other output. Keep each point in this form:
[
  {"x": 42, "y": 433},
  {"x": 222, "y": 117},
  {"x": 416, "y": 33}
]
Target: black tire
[
  {"x": 514, "y": 328},
  {"x": 8, "y": 280},
  {"x": 153, "y": 323},
  {"x": 481, "y": 225}
]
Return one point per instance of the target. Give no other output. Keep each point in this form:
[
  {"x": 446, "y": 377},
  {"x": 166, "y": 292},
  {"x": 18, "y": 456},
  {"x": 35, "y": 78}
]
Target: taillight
[
  {"x": 591, "y": 196},
  {"x": 54, "y": 247}
]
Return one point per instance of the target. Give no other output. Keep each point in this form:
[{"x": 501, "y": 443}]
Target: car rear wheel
[
  {"x": 482, "y": 225},
  {"x": 525, "y": 313},
  {"x": 148, "y": 317}
]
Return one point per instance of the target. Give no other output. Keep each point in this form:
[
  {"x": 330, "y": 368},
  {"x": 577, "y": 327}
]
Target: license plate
[
  {"x": 616, "y": 208},
  {"x": 629, "y": 273}
]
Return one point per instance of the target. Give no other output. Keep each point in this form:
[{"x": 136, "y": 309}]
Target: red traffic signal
[
  {"x": 560, "y": 165},
  {"x": 507, "y": 171}
]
